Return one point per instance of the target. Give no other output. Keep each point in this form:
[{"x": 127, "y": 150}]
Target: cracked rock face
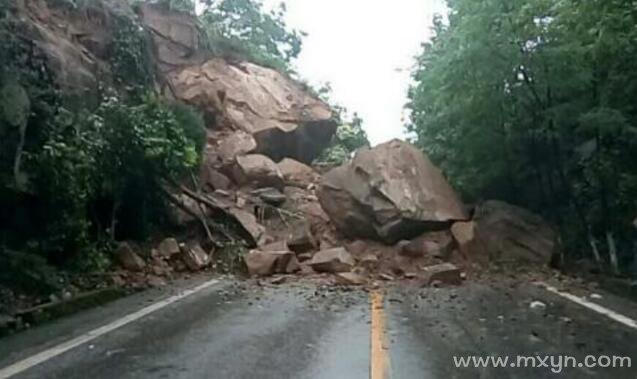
[
  {"x": 389, "y": 193},
  {"x": 282, "y": 117}
]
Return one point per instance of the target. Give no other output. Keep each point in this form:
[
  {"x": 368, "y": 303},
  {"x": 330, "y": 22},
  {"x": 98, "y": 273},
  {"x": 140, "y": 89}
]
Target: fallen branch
[
  {"x": 203, "y": 212},
  {"x": 174, "y": 200},
  {"x": 219, "y": 210}
]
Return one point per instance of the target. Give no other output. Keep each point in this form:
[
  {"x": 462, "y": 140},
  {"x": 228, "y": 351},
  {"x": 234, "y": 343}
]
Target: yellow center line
[{"x": 379, "y": 367}]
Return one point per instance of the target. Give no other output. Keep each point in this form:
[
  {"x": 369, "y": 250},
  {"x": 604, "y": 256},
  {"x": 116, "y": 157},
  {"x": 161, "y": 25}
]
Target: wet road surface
[{"x": 235, "y": 330}]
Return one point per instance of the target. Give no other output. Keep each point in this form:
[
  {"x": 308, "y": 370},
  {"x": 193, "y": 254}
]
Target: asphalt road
[{"x": 235, "y": 330}]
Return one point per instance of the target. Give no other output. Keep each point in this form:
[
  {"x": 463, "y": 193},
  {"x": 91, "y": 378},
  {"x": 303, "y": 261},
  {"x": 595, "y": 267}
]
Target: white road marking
[
  {"x": 45, "y": 355},
  {"x": 592, "y": 306}
]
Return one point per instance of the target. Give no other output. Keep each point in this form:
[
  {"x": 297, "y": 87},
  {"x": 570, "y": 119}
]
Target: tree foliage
[
  {"x": 350, "y": 135},
  {"x": 533, "y": 102},
  {"x": 74, "y": 177},
  {"x": 244, "y": 29}
]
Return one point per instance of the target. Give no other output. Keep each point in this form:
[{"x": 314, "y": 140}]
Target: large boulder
[
  {"x": 282, "y": 116},
  {"x": 390, "y": 192},
  {"x": 512, "y": 234}
]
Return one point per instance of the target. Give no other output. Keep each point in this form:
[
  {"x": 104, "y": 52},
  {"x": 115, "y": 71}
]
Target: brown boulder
[
  {"x": 271, "y": 259},
  {"x": 350, "y": 279},
  {"x": 390, "y": 192},
  {"x": 445, "y": 273},
  {"x": 513, "y": 234},
  {"x": 332, "y": 260},
  {"x": 195, "y": 257},
  {"x": 465, "y": 234},
  {"x": 436, "y": 244},
  {"x": 257, "y": 171},
  {"x": 297, "y": 174},
  {"x": 282, "y": 116},
  {"x": 248, "y": 222},
  {"x": 168, "y": 247},
  {"x": 229, "y": 147},
  {"x": 128, "y": 259}
]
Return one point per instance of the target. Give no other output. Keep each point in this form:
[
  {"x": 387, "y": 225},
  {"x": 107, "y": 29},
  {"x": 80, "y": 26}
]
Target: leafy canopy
[
  {"x": 533, "y": 102},
  {"x": 244, "y": 28}
]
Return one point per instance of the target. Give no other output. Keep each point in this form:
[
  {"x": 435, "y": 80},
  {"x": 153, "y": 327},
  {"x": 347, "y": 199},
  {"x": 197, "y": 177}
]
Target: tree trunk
[
  {"x": 612, "y": 253},
  {"x": 19, "y": 180},
  {"x": 593, "y": 243}
]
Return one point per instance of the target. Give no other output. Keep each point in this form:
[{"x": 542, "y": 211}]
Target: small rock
[
  {"x": 155, "y": 281},
  {"x": 410, "y": 275},
  {"x": 350, "y": 278},
  {"x": 386, "y": 277},
  {"x": 445, "y": 273},
  {"x": 596, "y": 296},
  {"x": 278, "y": 280}
]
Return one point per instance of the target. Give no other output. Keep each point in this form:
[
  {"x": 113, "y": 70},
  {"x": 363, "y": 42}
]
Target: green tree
[
  {"x": 350, "y": 135},
  {"x": 245, "y": 29},
  {"x": 529, "y": 101}
]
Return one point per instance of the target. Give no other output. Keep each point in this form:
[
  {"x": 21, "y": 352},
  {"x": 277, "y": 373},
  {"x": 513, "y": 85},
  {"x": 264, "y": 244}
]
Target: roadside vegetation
[
  {"x": 79, "y": 173},
  {"x": 533, "y": 102}
]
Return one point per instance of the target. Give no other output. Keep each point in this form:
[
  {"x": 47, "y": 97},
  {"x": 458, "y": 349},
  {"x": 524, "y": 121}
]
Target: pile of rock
[
  {"x": 159, "y": 265},
  {"x": 392, "y": 215}
]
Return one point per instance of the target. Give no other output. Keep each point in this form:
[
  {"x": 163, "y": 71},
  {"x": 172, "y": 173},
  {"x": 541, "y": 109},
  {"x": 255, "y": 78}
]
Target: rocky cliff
[{"x": 279, "y": 114}]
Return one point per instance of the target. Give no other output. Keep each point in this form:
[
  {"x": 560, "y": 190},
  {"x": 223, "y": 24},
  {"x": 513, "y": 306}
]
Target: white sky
[{"x": 365, "y": 49}]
